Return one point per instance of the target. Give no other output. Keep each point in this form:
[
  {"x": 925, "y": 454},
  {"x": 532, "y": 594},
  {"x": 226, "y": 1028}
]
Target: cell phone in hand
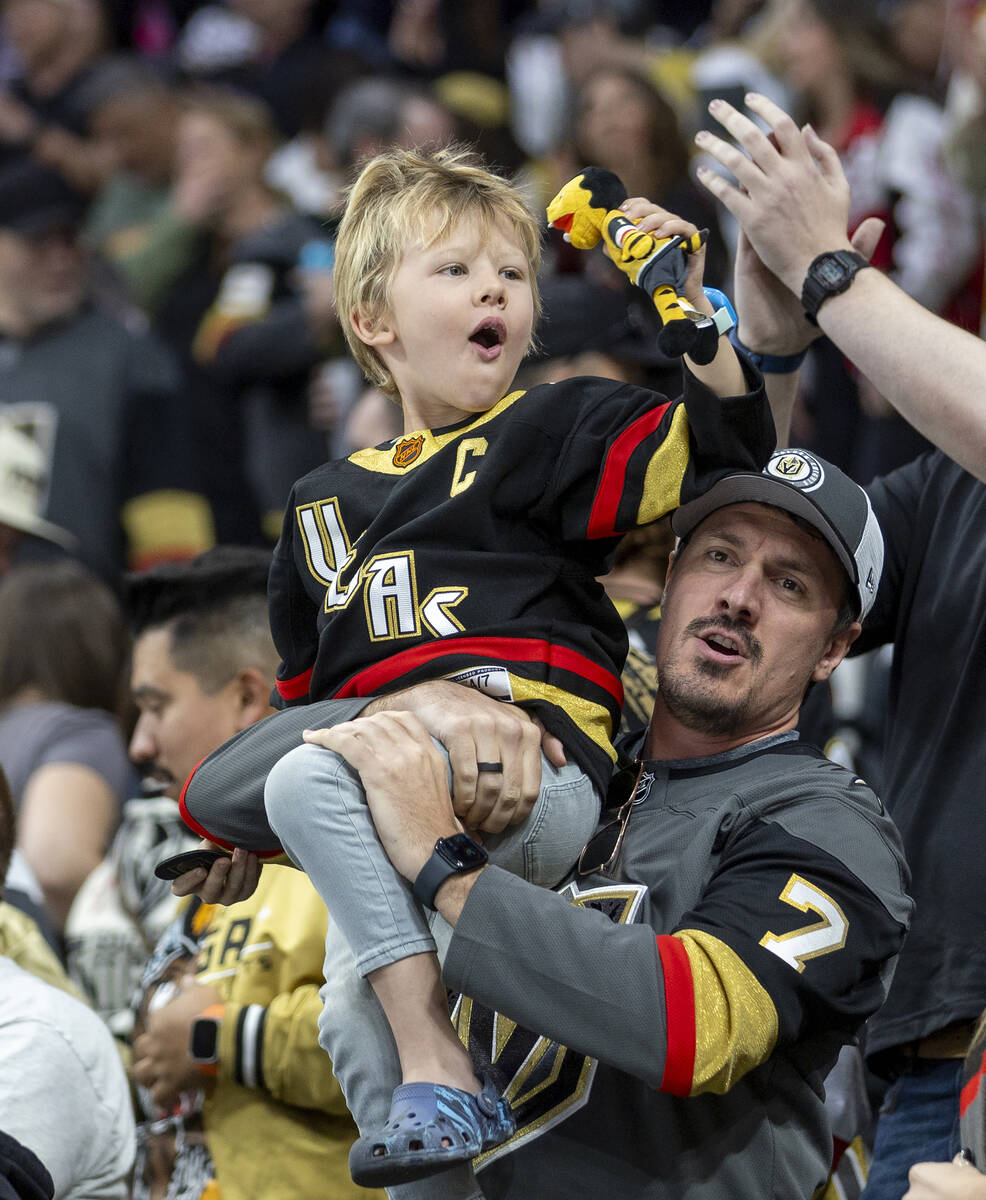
[{"x": 178, "y": 864}]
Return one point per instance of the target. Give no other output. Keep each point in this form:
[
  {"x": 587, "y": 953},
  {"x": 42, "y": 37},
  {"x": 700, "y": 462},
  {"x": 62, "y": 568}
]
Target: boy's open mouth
[{"x": 489, "y": 335}]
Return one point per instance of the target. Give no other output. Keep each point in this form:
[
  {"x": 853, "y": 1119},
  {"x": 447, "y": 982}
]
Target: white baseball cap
[{"x": 23, "y": 481}]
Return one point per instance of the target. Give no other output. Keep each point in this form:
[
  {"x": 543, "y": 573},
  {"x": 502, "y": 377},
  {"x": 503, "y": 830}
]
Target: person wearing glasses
[{"x": 662, "y": 1022}]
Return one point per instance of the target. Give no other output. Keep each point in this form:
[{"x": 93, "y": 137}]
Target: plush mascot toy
[{"x": 587, "y": 209}]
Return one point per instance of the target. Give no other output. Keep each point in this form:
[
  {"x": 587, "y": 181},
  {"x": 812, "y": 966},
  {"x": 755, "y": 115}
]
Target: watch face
[
  {"x": 461, "y": 851},
  {"x": 830, "y": 271},
  {"x": 205, "y": 1036}
]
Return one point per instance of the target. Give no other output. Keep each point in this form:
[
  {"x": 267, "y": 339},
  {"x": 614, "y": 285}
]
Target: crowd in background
[{"x": 171, "y": 175}]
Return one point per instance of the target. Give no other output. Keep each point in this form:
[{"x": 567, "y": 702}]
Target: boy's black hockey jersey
[{"x": 471, "y": 552}]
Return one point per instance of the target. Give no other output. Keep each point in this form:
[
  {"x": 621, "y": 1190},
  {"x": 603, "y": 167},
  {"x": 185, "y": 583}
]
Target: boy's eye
[
  {"x": 454, "y": 269},
  {"x": 512, "y": 273}
]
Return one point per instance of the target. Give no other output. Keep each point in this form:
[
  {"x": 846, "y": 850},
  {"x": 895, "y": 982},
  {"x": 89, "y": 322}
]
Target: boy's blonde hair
[{"x": 406, "y": 194}]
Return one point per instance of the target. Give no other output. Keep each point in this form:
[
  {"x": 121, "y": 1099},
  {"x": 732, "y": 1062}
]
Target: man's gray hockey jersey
[
  {"x": 688, "y": 1008},
  {"x": 663, "y": 1032}
]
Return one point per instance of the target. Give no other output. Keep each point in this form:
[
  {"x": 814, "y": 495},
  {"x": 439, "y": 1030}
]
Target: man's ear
[
  {"x": 253, "y": 690},
  {"x": 836, "y": 651},
  {"x": 373, "y": 330}
]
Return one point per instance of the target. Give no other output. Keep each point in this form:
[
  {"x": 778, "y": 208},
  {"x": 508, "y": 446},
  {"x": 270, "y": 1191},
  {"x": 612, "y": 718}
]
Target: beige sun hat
[{"x": 23, "y": 480}]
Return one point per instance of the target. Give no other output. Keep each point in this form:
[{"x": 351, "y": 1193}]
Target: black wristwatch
[
  {"x": 203, "y": 1045},
  {"x": 828, "y": 275},
  {"x": 456, "y": 855}
]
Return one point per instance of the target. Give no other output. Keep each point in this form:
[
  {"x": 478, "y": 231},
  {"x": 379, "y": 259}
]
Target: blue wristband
[
  {"x": 725, "y": 315},
  {"x": 769, "y": 364}
]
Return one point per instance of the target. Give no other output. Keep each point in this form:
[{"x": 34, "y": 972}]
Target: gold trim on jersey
[
  {"x": 728, "y": 997},
  {"x": 593, "y": 720},
  {"x": 382, "y": 461},
  {"x": 665, "y": 471}
]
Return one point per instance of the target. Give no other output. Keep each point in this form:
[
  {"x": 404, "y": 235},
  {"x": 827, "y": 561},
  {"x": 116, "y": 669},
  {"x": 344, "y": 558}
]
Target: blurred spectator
[
  {"x": 857, "y": 95},
  {"x": 272, "y": 1122},
  {"x": 63, "y": 1091},
  {"x": 21, "y": 937},
  {"x": 372, "y": 420},
  {"x": 42, "y": 112},
  {"x": 101, "y": 399},
  {"x": 267, "y": 48},
  {"x": 380, "y": 113},
  {"x": 252, "y": 318},
  {"x": 23, "y": 483},
  {"x": 63, "y": 652},
  {"x": 621, "y": 121},
  {"x": 134, "y": 221}
]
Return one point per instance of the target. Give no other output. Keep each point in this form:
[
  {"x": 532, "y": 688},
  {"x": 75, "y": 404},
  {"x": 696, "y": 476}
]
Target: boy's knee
[{"x": 287, "y": 780}]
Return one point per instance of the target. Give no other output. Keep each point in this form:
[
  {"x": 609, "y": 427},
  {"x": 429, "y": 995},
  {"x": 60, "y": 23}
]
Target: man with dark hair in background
[{"x": 246, "y": 976}]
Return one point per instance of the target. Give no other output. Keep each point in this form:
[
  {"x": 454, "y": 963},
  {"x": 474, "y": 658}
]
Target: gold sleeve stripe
[
  {"x": 594, "y": 720},
  {"x": 735, "y": 1019},
  {"x": 665, "y": 471},
  {"x": 166, "y": 524}
]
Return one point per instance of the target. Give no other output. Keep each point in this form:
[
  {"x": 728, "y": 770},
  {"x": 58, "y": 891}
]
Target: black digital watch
[{"x": 829, "y": 275}]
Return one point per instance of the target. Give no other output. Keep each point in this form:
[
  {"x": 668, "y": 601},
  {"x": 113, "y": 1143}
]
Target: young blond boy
[{"x": 467, "y": 550}]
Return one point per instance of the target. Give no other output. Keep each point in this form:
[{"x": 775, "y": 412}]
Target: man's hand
[
  {"x": 162, "y": 1062},
  {"x": 474, "y": 728},
  {"x": 945, "y": 1181},
  {"x": 228, "y": 881},
  {"x": 404, "y": 778},
  {"x": 792, "y": 197}
]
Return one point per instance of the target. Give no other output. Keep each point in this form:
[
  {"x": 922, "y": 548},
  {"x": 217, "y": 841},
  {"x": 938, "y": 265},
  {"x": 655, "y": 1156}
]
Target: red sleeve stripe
[
  {"x": 294, "y": 689},
  {"x": 201, "y": 830},
  {"x": 968, "y": 1093},
  {"x": 369, "y": 681},
  {"x": 602, "y": 519},
  {"x": 679, "y": 1003}
]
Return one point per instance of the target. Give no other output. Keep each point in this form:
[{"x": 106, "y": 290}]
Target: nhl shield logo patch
[{"x": 407, "y": 450}]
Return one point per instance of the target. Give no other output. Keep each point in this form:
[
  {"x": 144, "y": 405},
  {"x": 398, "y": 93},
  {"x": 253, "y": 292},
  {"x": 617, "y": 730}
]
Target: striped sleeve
[{"x": 633, "y": 455}]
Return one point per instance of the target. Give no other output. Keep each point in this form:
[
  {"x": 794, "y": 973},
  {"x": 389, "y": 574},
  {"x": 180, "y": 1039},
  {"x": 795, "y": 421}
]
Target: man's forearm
[{"x": 933, "y": 373}]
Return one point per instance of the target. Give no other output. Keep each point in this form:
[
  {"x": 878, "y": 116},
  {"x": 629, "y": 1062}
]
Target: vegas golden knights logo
[
  {"x": 407, "y": 451},
  {"x": 798, "y": 468},
  {"x": 544, "y": 1081}
]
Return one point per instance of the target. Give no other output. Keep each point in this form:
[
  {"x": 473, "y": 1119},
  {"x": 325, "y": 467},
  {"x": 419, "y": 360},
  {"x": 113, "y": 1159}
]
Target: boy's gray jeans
[{"x": 316, "y": 806}]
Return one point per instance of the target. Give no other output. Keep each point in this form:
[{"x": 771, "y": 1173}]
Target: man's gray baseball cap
[{"x": 811, "y": 488}]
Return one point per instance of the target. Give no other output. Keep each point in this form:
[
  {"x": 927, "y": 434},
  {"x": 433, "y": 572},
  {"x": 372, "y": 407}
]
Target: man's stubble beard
[{"x": 691, "y": 697}]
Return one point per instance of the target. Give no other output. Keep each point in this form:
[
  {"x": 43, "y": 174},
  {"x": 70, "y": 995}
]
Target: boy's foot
[{"x": 430, "y": 1128}]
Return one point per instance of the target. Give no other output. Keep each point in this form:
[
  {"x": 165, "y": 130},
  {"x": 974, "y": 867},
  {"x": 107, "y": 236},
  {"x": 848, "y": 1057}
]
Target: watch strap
[
  {"x": 769, "y": 364},
  {"x": 724, "y": 318}
]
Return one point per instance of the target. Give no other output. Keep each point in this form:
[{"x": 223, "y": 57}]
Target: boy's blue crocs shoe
[{"x": 431, "y": 1127}]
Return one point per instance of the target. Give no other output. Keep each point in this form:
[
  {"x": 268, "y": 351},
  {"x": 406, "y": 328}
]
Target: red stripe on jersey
[
  {"x": 370, "y": 680},
  {"x": 968, "y": 1093},
  {"x": 294, "y": 689},
  {"x": 201, "y": 830},
  {"x": 602, "y": 519},
  {"x": 679, "y": 1003}
]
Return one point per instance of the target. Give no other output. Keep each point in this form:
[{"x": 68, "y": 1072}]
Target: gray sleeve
[
  {"x": 223, "y": 799},
  {"x": 90, "y": 738},
  {"x": 564, "y": 971}
]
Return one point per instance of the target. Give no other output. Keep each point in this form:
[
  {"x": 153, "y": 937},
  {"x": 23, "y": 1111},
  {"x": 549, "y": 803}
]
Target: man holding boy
[{"x": 686, "y": 993}]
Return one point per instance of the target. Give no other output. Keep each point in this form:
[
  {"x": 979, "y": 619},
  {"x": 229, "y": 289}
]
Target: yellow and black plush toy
[{"x": 587, "y": 210}]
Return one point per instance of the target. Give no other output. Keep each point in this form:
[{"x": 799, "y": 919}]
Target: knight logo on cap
[{"x": 796, "y": 468}]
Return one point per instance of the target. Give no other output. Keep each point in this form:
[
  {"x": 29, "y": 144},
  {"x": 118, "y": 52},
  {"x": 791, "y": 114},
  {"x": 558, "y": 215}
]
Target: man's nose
[
  {"x": 740, "y": 594},
  {"x": 143, "y": 747}
]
